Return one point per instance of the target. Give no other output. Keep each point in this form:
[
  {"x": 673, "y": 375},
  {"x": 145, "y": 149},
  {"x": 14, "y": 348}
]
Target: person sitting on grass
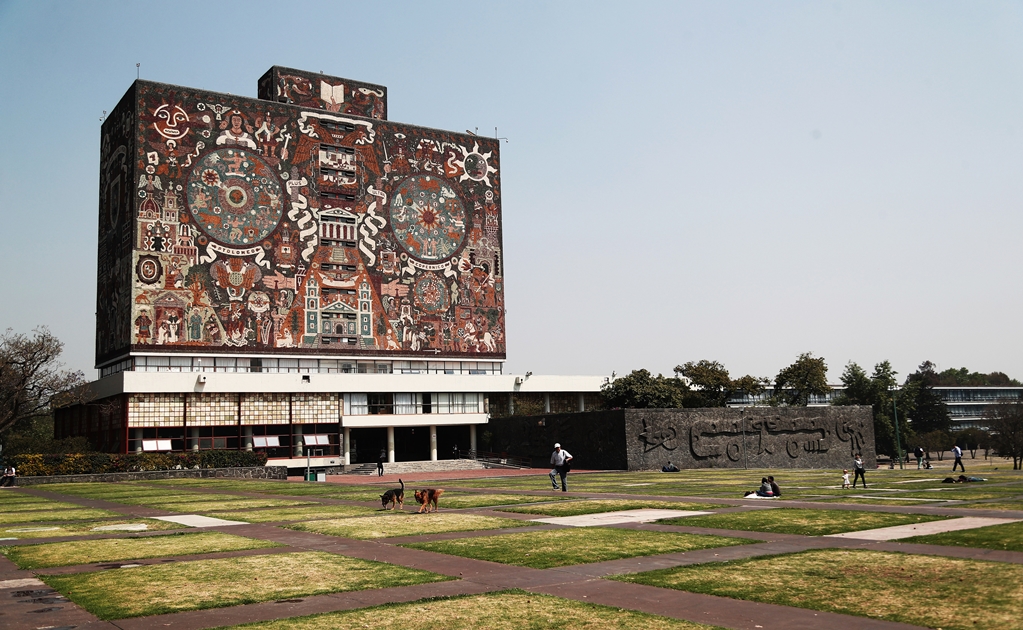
[
  {"x": 8, "y": 478},
  {"x": 774, "y": 486},
  {"x": 669, "y": 467},
  {"x": 763, "y": 492}
]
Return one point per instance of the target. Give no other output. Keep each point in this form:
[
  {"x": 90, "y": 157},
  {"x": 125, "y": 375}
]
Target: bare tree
[
  {"x": 1005, "y": 421},
  {"x": 32, "y": 378}
]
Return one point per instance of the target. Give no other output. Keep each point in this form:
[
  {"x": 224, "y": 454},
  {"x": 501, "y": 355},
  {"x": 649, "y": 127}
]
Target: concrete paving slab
[
  {"x": 195, "y": 520},
  {"x": 22, "y": 583},
  {"x": 923, "y": 529},
  {"x": 615, "y": 518}
]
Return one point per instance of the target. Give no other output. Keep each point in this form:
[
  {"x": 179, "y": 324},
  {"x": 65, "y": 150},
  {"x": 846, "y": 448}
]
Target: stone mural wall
[
  {"x": 236, "y": 224},
  {"x": 646, "y": 439},
  {"x": 767, "y": 437}
]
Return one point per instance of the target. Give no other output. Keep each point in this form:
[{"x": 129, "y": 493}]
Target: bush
[{"x": 96, "y": 463}]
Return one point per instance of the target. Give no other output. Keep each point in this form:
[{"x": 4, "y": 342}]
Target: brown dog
[{"x": 426, "y": 498}]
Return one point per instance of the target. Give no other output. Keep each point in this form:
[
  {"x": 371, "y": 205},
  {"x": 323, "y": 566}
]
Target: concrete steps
[{"x": 404, "y": 468}]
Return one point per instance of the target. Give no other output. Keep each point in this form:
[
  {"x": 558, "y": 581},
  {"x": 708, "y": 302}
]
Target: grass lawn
[
  {"x": 1007, "y": 537},
  {"x": 881, "y": 501},
  {"x": 805, "y": 522},
  {"x": 459, "y": 500},
  {"x": 999, "y": 505},
  {"x": 398, "y": 524},
  {"x": 39, "y": 516},
  {"x": 158, "y": 589},
  {"x": 936, "y": 592},
  {"x": 212, "y": 504},
  {"x": 82, "y": 528},
  {"x": 564, "y": 547},
  {"x": 118, "y": 549},
  {"x": 31, "y": 506},
  {"x": 303, "y": 513},
  {"x": 575, "y": 508},
  {"x": 495, "y": 611}
]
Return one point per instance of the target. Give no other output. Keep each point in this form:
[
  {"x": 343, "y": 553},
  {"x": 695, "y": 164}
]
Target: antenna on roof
[
  {"x": 138, "y": 70},
  {"x": 103, "y": 117},
  {"x": 498, "y": 139}
]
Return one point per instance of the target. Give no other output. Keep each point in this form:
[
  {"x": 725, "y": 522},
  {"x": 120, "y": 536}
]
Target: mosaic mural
[
  {"x": 319, "y": 91},
  {"x": 250, "y": 225}
]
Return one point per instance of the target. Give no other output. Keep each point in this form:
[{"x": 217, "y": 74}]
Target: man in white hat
[{"x": 560, "y": 459}]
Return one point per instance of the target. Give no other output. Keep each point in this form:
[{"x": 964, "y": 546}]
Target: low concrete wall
[
  {"x": 254, "y": 472},
  {"x": 646, "y": 439}
]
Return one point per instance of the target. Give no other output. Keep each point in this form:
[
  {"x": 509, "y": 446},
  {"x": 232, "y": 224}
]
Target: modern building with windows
[{"x": 296, "y": 273}]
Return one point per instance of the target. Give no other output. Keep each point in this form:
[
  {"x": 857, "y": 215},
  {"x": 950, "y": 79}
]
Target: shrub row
[{"x": 94, "y": 463}]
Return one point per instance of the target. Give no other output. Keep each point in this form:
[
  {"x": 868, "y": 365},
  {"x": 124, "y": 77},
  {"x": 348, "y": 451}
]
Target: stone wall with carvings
[
  {"x": 763, "y": 437},
  {"x": 646, "y": 439}
]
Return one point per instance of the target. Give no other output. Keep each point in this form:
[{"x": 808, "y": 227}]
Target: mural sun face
[
  {"x": 428, "y": 218},
  {"x": 234, "y": 197}
]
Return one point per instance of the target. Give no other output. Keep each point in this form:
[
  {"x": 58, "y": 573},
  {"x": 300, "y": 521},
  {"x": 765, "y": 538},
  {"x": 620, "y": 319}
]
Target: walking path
[{"x": 28, "y": 603}]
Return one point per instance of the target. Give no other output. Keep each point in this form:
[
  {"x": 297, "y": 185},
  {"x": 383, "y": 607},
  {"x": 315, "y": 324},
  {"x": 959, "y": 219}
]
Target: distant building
[{"x": 298, "y": 274}]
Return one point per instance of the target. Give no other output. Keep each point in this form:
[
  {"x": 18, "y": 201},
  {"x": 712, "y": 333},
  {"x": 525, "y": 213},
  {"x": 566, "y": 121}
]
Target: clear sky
[{"x": 736, "y": 181}]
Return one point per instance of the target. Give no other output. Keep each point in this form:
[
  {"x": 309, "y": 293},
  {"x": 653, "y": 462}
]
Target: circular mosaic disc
[
  {"x": 234, "y": 197},
  {"x": 427, "y": 217}
]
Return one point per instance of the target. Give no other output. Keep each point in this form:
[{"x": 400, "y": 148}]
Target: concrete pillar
[
  {"x": 582, "y": 401},
  {"x": 247, "y": 438},
  {"x": 472, "y": 437},
  {"x": 347, "y": 445},
  {"x": 390, "y": 444},
  {"x": 138, "y": 440},
  {"x": 298, "y": 439},
  {"x": 193, "y": 439},
  {"x": 433, "y": 443},
  {"x": 547, "y": 402}
]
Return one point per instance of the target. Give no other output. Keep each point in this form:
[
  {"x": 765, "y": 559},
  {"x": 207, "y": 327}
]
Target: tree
[
  {"x": 938, "y": 441},
  {"x": 806, "y": 377},
  {"x": 32, "y": 378},
  {"x": 1006, "y": 423},
  {"x": 711, "y": 386},
  {"x": 965, "y": 378},
  {"x": 878, "y": 390},
  {"x": 971, "y": 438},
  {"x": 641, "y": 390},
  {"x": 929, "y": 410}
]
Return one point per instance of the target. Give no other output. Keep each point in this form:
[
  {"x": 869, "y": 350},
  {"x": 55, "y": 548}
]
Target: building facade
[{"x": 277, "y": 272}]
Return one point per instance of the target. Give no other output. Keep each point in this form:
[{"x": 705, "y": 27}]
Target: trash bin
[
  {"x": 321, "y": 476},
  {"x": 311, "y": 476}
]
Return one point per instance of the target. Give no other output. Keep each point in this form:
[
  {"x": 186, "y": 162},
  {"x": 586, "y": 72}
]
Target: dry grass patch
[
  {"x": 1005, "y": 537},
  {"x": 805, "y": 522},
  {"x": 159, "y": 589},
  {"x": 39, "y": 516},
  {"x": 306, "y": 513},
  {"x": 494, "y": 611},
  {"x": 564, "y": 547},
  {"x": 134, "y": 548},
  {"x": 407, "y": 524},
  {"x": 84, "y": 528},
  {"x": 212, "y": 504},
  {"x": 937, "y": 592},
  {"x": 460, "y": 500},
  {"x": 576, "y": 508}
]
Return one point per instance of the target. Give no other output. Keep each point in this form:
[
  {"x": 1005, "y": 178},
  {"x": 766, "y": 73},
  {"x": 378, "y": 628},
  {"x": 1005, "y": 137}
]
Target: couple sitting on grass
[{"x": 768, "y": 490}]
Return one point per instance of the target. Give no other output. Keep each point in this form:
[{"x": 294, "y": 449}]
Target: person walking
[
  {"x": 560, "y": 460},
  {"x": 958, "y": 454},
  {"x": 859, "y": 470},
  {"x": 380, "y": 464},
  {"x": 919, "y": 452}
]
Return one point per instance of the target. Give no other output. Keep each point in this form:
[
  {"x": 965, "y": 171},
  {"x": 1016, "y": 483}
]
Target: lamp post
[{"x": 898, "y": 442}]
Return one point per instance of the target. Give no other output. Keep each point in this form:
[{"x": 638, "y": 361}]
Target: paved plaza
[{"x": 27, "y": 603}]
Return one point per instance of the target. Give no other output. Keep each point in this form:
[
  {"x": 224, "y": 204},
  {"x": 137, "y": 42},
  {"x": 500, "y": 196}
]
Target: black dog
[{"x": 394, "y": 497}]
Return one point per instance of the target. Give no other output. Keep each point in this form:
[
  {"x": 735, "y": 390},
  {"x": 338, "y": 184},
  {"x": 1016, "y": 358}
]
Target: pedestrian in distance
[
  {"x": 859, "y": 470},
  {"x": 919, "y": 452},
  {"x": 561, "y": 461},
  {"x": 380, "y": 464},
  {"x": 845, "y": 479},
  {"x": 958, "y": 454}
]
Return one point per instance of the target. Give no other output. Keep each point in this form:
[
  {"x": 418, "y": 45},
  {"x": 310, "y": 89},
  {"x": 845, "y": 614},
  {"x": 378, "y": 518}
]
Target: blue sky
[{"x": 734, "y": 181}]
